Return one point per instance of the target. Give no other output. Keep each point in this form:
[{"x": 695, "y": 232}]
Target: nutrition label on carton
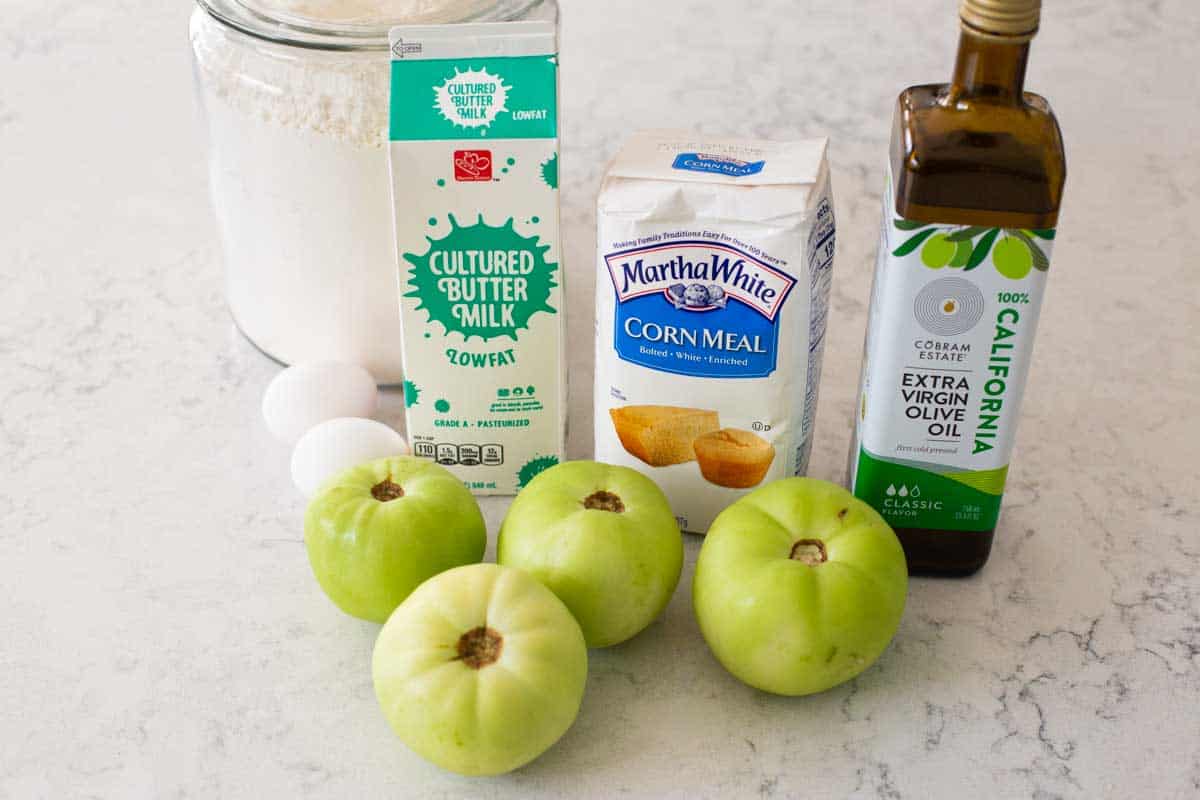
[{"x": 467, "y": 455}]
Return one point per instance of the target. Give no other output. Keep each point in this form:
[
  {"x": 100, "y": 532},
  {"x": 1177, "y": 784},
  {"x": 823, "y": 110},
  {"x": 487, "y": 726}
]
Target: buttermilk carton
[
  {"x": 712, "y": 291},
  {"x": 474, "y": 159}
]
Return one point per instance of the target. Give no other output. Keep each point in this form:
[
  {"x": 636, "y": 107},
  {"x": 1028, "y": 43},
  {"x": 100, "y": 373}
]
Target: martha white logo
[
  {"x": 472, "y": 99},
  {"x": 699, "y": 276}
]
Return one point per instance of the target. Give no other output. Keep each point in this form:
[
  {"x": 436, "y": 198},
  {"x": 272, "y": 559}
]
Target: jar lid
[{"x": 356, "y": 24}]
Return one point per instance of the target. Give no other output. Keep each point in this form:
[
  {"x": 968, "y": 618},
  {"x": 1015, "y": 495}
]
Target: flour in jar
[
  {"x": 712, "y": 290},
  {"x": 361, "y": 12},
  {"x": 299, "y": 179}
]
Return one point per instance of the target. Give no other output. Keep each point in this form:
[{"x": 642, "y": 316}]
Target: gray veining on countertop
[{"x": 162, "y": 635}]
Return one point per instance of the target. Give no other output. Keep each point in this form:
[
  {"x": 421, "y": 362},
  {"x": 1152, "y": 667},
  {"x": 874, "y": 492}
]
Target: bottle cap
[{"x": 1008, "y": 19}]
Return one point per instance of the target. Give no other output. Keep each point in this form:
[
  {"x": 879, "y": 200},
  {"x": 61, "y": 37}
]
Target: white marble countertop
[{"x": 163, "y": 637}]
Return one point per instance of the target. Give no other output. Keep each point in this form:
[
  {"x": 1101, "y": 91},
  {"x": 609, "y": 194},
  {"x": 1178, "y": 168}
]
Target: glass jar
[{"x": 295, "y": 101}]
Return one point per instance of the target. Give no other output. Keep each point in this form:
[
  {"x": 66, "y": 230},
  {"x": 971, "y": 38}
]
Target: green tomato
[
  {"x": 604, "y": 540},
  {"x": 799, "y": 587},
  {"x": 962, "y": 254},
  {"x": 938, "y": 251},
  {"x": 377, "y": 531},
  {"x": 1012, "y": 258},
  {"x": 480, "y": 670}
]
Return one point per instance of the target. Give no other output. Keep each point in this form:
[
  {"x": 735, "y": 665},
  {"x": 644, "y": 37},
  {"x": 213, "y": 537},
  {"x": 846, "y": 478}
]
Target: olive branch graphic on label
[{"x": 1014, "y": 251}]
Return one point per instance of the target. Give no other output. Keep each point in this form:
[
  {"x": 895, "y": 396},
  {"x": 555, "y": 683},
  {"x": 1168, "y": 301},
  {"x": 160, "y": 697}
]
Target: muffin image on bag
[{"x": 734, "y": 458}]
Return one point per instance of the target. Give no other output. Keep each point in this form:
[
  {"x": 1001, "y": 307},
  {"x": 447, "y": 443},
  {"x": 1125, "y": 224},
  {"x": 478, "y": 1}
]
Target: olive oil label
[
  {"x": 474, "y": 143},
  {"x": 712, "y": 290},
  {"x": 954, "y": 311}
]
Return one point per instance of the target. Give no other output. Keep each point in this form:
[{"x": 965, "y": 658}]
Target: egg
[
  {"x": 339, "y": 444},
  {"x": 305, "y": 395}
]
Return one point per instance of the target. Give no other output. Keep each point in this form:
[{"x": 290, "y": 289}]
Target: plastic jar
[{"x": 295, "y": 101}]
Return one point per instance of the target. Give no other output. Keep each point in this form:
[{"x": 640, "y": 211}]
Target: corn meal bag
[{"x": 712, "y": 291}]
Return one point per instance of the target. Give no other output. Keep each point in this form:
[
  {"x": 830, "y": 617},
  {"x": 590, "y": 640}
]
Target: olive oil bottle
[{"x": 975, "y": 181}]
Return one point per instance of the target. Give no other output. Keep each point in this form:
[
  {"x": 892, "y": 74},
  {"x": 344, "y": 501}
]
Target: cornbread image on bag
[
  {"x": 733, "y": 458},
  {"x": 712, "y": 286},
  {"x": 661, "y": 435}
]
